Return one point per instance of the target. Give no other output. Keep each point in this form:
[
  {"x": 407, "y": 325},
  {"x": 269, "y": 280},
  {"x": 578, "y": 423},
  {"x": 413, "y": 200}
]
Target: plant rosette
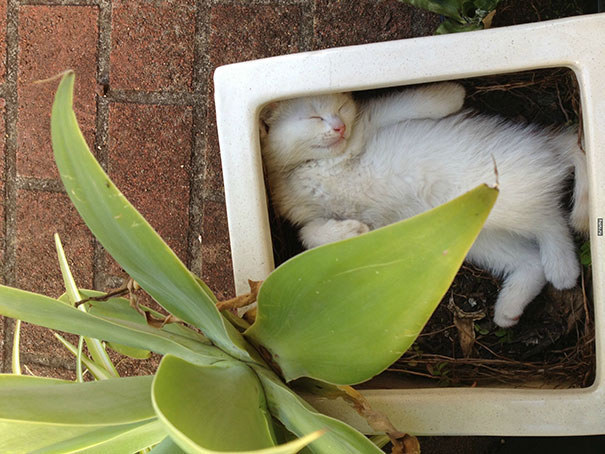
[{"x": 339, "y": 314}]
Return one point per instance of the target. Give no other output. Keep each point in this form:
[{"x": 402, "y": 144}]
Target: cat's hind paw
[
  {"x": 504, "y": 321},
  {"x": 563, "y": 274}
]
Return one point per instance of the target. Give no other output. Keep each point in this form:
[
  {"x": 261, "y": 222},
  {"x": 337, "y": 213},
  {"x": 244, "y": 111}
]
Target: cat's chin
[
  {"x": 337, "y": 145},
  {"x": 333, "y": 147}
]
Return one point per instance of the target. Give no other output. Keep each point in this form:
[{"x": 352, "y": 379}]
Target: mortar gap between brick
[
  {"x": 39, "y": 184},
  {"x": 104, "y": 43},
  {"x": 59, "y": 3},
  {"x": 179, "y": 98}
]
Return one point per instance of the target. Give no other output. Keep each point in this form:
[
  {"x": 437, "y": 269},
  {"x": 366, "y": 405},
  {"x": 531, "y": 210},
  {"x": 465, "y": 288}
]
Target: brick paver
[
  {"x": 53, "y": 39},
  {"x": 39, "y": 215},
  {"x": 216, "y": 265},
  {"x": 341, "y": 23},
  {"x": 144, "y": 102},
  {"x": 152, "y": 45},
  {"x": 149, "y": 155}
]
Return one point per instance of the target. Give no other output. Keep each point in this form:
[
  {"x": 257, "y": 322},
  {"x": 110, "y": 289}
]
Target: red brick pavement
[{"x": 144, "y": 101}]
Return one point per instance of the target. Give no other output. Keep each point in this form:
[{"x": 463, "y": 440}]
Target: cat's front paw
[
  {"x": 453, "y": 96},
  {"x": 316, "y": 234},
  {"x": 445, "y": 99},
  {"x": 349, "y": 228}
]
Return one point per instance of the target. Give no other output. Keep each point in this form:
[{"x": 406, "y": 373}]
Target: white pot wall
[{"x": 243, "y": 88}]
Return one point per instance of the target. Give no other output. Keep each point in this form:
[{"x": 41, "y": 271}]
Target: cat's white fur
[{"x": 402, "y": 154}]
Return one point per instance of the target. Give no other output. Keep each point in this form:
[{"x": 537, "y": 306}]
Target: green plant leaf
[
  {"x": 51, "y": 313},
  {"x": 167, "y": 446},
  {"x": 125, "y": 438},
  {"x": 131, "y": 352},
  {"x": 120, "y": 308},
  {"x": 485, "y": 6},
  {"x": 449, "y": 26},
  {"x": 461, "y": 15},
  {"x": 448, "y": 8},
  {"x": 300, "y": 418},
  {"x": 344, "y": 312},
  {"x": 127, "y": 236},
  {"x": 16, "y": 381},
  {"x": 79, "y": 356},
  {"x": 71, "y": 289},
  {"x": 100, "y": 373},
  {"x": 38, "y": 412},
  {"x": 16, "y": 357},
  {"x": 212, "y": 408},
  {"x": 95, "y": 347},
  {"x": 97, "y": 403},
  {"x": 585, "y": 257}
]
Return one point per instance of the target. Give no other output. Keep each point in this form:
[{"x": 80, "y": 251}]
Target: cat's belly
[{"x": 353, "y": 192}]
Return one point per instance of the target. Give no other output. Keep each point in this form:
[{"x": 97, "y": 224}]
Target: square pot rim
[{"x": 242, "y": 89}]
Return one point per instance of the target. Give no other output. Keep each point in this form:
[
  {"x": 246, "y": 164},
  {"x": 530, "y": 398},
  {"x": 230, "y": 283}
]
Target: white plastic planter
[{"x": 241, "y": 91}]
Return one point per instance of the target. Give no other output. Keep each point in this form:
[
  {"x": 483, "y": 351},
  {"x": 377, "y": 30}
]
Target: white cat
[{"x": 337, "y": 169}]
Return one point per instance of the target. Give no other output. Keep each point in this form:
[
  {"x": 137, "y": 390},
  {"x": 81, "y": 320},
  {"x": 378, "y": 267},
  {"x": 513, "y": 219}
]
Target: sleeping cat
[{"x": 338, "y": 168}]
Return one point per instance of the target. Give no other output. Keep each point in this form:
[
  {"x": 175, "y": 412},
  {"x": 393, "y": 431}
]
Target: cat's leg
[
  {"x": 433, "y": 101},
  {"x": 518, "y": 260},
  {"x": 558, "y": 252},
  {"x": 323, "y": 231}
]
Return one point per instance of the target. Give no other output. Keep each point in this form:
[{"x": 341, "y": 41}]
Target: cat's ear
[
  {"x": 267, "y": 112},
  {"x": 265, "y": 118},
  {"x": 263, "y": 128}
]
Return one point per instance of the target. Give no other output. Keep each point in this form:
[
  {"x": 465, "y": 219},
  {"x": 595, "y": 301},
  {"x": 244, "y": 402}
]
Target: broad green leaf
[
  {"x": 212, "y": 408},
  {"x": 239, "y": 323},
  {"x": 107, "y": 402},
  {"x": 131, "y": 352},
  {"x": 344, "y": 312},
  {"x": 125, "y": 438},
  {"x": 120, "y": 308},
  {"x": 127, "y": 236},
  {"x": 36, "y": 412},
  {"x": 300, "y": 418},
  {"x": 27, "y": 437},
  {"x": 25, "y": 381},
  {"x": 95, "y": 347},
  {"x": 167, "y": 446},
  {"x": 51, "y": 313}
]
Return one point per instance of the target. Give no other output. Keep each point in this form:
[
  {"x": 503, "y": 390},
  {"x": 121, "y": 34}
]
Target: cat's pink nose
[{"x": 340, "y": 129}]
